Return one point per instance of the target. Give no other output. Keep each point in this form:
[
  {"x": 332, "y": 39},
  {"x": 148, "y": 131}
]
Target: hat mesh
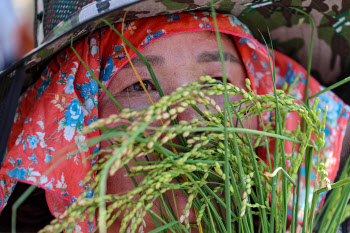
[{"x": 59, "y": 10}]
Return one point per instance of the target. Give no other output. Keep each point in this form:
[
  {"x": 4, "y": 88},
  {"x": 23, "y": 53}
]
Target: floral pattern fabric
[{"x": 46, "y": 146}]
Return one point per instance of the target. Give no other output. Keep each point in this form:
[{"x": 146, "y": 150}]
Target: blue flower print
[
  {"x": 264, "y": 64},
  {"x": 94, "y": 159},
  {"x": 205, "y": 23},
  {"x": 236, "y": 22},
  {"x": 93, "y": 87},
  {"x": 27, "y": 120},
  {"x": 12, "y": 161},
  {"x": 158, "y": 34},
  {"x": 63, "y": 74},
  {"x": 74, "y": 113},
  {"x": 89, "y": 103},
  {"x": 47, "y": 157},
  {"x": 90, "y": 194},
  {"x": 69, "y": 88},
  {"x": 85, "y": 90},
  {"x": 19, "y": 161},
  {"x": 107, "y": 71},
  {"x": 33, "y": 158},
  {"x": 345, "y": 111},
  {"x": 88, "y": 74},
  {"x": 45, "y": 71},
  {"x": 18, "y": 173},
  {"x": 172, "y": 17},
  {"x": 24, "y": 145},
  {"x": 49, "y": 186},
  {"x": 117, "y": 48},
  {"x": 91, "y": 226},
  {"x": 327, "y": 133},
  {"x": 32, "y": 141},
  {"x": 95, "y": 150},
  {"x": 243, "y": 40},
  {"x": 254, "y": 56},
  {"x": 43, "y": 86},
  {"x": 334, "y": 108},
  {"x": 91, "y": 120},
  {"x": 150, "y": 37},
  {"x": 290, "y": 75},
  {"x": 15, "y": 164}
]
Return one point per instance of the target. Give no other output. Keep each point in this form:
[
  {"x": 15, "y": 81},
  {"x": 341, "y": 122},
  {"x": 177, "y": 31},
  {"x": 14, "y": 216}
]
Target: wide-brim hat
[{"x": 289, "y": 22}]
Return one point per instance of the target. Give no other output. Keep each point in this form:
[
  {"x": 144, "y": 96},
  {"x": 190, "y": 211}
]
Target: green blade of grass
[
  {"x": 276, "y": 154},
  {"x": 308, "y": 170},
  {"x": 18, "y": 202},
  {"x": 335, "y": 221},
  {"x": 237, "y": 130},
  {"x": 157, "y": 216},
  {"x": 337, "y": 84},
  {"x": 257, "y": 177},
  {"x": 331, "y": 199},
  {"x": 164, "y": 227},
  {"x": 307, "y": 99},
  {"x": 333, "y": 186},
  {"x": 226, "y": 101}
]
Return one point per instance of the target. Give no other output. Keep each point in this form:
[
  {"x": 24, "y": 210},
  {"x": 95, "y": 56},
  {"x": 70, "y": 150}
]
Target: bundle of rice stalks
[{"x": 217, "y": 167}]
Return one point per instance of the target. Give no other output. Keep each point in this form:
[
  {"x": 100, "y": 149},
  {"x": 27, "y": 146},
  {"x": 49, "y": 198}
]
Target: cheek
[
  {"x": 237, "y": 76},
  {"x": 107, "y": 107},
  {"x": 120, "y": 182}
]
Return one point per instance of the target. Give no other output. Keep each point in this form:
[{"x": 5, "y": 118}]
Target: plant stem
[
  {"x": 226, "y": 101},
  {"x": 308, "y": 168}
]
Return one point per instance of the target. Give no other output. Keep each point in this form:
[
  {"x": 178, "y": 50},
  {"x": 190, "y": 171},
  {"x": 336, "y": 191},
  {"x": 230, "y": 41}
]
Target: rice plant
[{"x": 216, "y": 166}]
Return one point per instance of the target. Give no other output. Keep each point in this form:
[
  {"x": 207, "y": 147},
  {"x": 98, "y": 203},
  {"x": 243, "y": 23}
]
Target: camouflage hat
[{"x": 290, "y": 28}]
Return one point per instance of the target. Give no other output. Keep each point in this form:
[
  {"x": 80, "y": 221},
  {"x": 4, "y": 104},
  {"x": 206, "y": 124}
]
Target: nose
[
  {"x": 216, "y": 104},
  {"x": 190, "y": 113}
]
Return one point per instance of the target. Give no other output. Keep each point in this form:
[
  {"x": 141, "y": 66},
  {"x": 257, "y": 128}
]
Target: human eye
[
  {"x": 214, "y": 79},
  {"x": 137, "y": 87},
  {"x": 218, "y": 78}
]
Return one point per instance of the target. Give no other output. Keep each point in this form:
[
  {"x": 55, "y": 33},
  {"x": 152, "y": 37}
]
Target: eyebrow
[
  {"x": 153, "y": 60},
  {"x": 204, "y": 57},
  {"x": 215, "y": 57}
]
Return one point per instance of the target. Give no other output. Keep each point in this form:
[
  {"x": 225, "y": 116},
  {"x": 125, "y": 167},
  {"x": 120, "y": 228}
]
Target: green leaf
[
  {"x": 79, "y": 128},
  {"x": 61, "y": 81}
]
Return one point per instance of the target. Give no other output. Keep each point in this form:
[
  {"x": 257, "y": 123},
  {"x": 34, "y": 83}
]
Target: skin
[{"x": 176, "y": 59}]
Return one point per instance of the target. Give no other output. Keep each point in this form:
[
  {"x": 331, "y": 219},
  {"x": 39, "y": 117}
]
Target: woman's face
[{"x": 176, "y": 60}]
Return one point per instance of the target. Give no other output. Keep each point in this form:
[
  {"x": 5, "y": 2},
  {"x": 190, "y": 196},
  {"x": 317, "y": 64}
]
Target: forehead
[{"x": 189, "y": 44}]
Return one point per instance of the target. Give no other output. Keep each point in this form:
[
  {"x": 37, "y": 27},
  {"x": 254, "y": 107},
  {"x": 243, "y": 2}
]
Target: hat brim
[{"x": 290, "y": 29}]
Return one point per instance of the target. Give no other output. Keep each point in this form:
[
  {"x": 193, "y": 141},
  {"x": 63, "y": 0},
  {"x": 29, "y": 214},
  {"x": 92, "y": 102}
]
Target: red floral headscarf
[{"x": 50, "y": 115}]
